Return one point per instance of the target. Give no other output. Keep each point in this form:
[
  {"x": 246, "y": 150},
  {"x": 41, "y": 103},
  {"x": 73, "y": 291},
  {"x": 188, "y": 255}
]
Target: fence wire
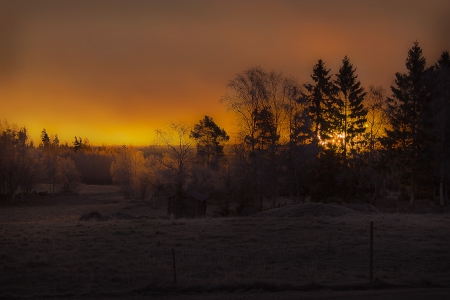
[{"x": 50, "y": 270}]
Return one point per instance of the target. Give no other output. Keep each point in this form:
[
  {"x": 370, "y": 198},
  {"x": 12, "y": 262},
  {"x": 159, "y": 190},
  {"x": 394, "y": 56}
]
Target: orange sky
[{"x": 114, "y": 71}]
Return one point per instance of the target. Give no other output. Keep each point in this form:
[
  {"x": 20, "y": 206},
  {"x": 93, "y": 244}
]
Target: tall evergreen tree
[
  {"x": 352, "y": 114},
  {"x": 409, "y": 119},
  {"x": 45, "y": 139},
  {"x": 321, "y": 97},
  {"x": 441, "y": 113}
]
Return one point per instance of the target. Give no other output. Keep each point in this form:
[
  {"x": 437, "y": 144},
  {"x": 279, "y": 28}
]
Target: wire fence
[{"x": 51, "y": 269}]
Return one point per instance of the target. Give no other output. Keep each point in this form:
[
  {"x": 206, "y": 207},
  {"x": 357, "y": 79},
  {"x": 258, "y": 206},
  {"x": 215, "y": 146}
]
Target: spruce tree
[
  {"x": 45, "y": 139},
  {"x": 351, "y": 117},
  {"x": 441, "y": 113},
  {"x": 407, "y": 139},
  {"x": 321, "y": 98}
]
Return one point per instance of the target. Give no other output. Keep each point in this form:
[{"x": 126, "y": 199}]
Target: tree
[
  {"x": 407, "y": 138},
  {"x": 376, "y": 117},
  {"x": 374, "y": 169},
  {"x": 248, "y": 94},
  {"x": 322, "y": 104},
  {"x": 267, "y": 152},
  {"x": 267, "y": 136},
  {"x": 45, "y": 139},
  {"x": 304, "y": 150},
  {"x": 78, "y": 143},
  {"x": 51, "y": 152},
  {"x": 18, "y": 164},
  {"x": 67, "y": 175},
  {"x": 210, "y": 140},
  {"x": 352, "y": 114},
  {"x": 441, "y": 112},
  {"x": 130, "y": 170},
  {"x": 121, "y": 171},
  {"x": 175, "y": 138},
  {"x": 262, "y": 102},
  {"x": 55, "y": 140}
]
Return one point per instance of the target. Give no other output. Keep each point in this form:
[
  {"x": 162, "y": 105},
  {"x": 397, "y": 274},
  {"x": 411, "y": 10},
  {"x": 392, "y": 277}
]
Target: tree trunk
[
  {"x": 413, "y": 189},
  {"x": 441, "y": 186},
  {"x": 13, "y": 195},
  {"x": 446, "y": 194}
]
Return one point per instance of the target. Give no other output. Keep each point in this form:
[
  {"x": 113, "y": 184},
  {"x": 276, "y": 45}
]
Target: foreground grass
[{"x": 45, "y": 250}]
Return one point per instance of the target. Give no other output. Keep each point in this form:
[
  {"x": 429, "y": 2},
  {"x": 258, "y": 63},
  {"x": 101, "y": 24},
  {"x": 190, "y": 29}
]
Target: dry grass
[{"x": 45, "y": 250}]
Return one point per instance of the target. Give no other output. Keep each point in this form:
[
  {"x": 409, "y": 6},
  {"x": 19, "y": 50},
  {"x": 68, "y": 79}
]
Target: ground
[{"x": 298, "y": 251}]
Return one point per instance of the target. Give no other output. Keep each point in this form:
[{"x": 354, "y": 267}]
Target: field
[{"x": 47, "y": 251}]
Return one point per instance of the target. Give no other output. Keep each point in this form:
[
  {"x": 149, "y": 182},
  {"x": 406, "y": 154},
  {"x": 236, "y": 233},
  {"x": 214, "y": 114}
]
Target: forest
[{"x": 329, "y": 138}]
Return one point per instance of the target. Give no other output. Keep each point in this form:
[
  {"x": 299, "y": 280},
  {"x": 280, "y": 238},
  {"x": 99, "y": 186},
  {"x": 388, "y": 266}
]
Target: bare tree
[
  {"x": 176, "y": 138},
  {"x": 376, "y": 117},
  {"x": 130, "y": 171},
  {"x": 262, "y": 102},
  {"x": 17, "y": 161},
  {"x": 67, "y": 175}
]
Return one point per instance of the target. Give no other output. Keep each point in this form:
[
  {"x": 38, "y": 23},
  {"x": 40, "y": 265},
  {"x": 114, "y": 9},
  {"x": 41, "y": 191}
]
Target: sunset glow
[{"x": 115, "y": 71}]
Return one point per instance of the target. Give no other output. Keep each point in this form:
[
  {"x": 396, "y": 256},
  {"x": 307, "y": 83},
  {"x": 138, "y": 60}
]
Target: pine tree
[
  {"x": 407, "y": 140},
  {"x": 266, "y": 130},
  {"x": 45, "y": 139},
  {"x": 351, "y": 117},
  {"x": 441, "y": 113},
  {"x": 321, "y": 98},
  {"x": 210, "y": 140}
]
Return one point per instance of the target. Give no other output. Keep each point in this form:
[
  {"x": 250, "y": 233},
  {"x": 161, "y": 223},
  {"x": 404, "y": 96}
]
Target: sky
[{"x": 115, "y": 71}]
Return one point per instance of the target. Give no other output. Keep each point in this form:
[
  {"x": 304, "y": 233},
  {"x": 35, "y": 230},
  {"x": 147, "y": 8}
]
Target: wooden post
[
  {"x": 174, "y": 267},
  {"x": 371, "y": 251}
]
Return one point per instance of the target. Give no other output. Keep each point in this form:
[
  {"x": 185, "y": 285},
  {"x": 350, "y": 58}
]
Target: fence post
[
  {"x": 174, "y": 267},
  {"x": 371, "y": 251}
]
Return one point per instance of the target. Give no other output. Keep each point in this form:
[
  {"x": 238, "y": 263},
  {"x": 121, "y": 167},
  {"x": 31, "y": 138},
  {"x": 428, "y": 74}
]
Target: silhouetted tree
[
  {"x": 441, "y": 112},
  {"x": 305, "y": 149},
  {"x": 80, "y": 144},
  {"x": 51, "y": 152},
  {"x": 248, "y": 93},
  {"x": 262, "y": 102},
  {"x": 322, "y": 101},
  {"x": 266, "y": 132},
  {"x": 376, "y": 117},
  {"x": 45, "y": 139},
  {"x": 55, "y": 140},
  {"x": 176, "y": 139},
  {"x": 210, "y": 140},
  {"x": 407, "y": 139},
  {"x": 374, "y": 169},
  {"x": 352, "y": 114}
]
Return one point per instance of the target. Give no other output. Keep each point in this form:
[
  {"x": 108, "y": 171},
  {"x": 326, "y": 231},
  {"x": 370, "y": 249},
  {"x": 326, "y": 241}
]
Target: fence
[{"x": 52, "y": 270}]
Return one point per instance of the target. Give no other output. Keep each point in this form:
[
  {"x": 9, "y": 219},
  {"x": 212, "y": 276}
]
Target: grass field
[{"x": 45, "y": 250}]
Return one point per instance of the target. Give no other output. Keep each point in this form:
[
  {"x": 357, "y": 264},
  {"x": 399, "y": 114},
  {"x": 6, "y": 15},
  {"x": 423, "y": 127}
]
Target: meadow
[{"x": 47, "y": 251}]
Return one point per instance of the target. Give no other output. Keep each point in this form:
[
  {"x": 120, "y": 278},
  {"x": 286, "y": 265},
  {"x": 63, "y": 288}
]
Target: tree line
[
  {"x": 331, "y": 137},
  {"x": 23, "y": 165},
  {"x": 328, "y": 137}
]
